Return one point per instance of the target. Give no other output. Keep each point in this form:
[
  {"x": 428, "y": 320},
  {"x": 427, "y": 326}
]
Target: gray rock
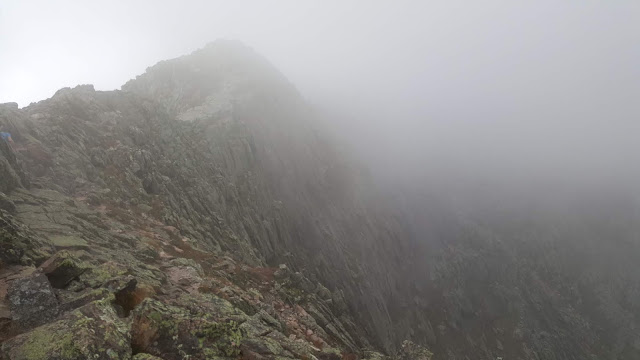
[
  {"x": 282, "y": 272},
  {"x": 7, "y": 204},
  {"x": 296, "y": 278},
  {"x": 61, "y": 268},
  {"x": 32, "y": 301}
]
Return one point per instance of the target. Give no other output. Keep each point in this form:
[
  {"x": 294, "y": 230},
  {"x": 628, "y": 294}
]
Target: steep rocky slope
[
  {"x": 555, "y": 279},
  {"x": 164, "y": 211},
  {"x": 200, "y": 213}
]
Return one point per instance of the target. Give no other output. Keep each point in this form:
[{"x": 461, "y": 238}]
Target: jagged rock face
[
  {"x": 113, "y": 185},
  {"x": 328, "y": 216}
]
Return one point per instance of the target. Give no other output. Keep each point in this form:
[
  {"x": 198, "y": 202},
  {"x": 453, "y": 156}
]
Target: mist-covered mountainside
[{"x": 200, "y": 213}]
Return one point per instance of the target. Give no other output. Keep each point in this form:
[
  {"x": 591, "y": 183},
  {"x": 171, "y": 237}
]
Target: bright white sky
[
  {"x": 45, "y": 45},
  {"x": 498, "y": 46},
  {"x": 562, "y": 73}
]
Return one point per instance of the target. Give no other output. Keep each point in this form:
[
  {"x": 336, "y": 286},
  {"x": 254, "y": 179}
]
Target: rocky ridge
[
  {"x": 199, "y": 213},
  {"x": 152, "y": 222}
]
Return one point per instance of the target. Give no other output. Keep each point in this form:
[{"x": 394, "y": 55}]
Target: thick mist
[
  {"x": 450, "y": 177},
  {"x": 492, "y": 98}
]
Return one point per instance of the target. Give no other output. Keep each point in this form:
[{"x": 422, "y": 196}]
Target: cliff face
[
  {"x": 199, "y": 213},
  {"x": 329, "y": 223}
]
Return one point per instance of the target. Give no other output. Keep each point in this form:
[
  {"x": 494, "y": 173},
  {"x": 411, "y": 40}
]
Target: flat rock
[{"x": 68, "y": 241}]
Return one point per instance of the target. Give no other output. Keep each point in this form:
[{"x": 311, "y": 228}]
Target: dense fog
[
  {"x": 426, "y": 180},
  {"x": 474, "y": 96}
]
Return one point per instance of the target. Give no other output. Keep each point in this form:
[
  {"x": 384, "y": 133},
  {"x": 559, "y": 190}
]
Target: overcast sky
[{"x": 555, "y": 82}]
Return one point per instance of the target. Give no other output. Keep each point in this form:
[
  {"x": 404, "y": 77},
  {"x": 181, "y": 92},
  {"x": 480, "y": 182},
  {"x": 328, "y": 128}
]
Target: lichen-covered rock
[
  {"x": 174, "y": 333},
  {"x": 68, "y": 242},
  {"x": 61, "y": 268},
  {"x": 7, "y": 204},
  {"x": 96, "y": 276},
  {"x": 32, "y": 301},
  {"x": 263, "y": 346},
  {"x": 129, "y": 293},
  {"x": 373, "y": 355},
  {"x": 19, "y": 245},
  {"x": 143, "y": 356},
  {"x": 93, "y": 331},
  {"x": 413, "y": 351},
  {"x": 282, "y": 272},
  {"x": 255, "y": 326},
  {"x": 329, "y": 353},
  {"x": 72, "y": 300}
]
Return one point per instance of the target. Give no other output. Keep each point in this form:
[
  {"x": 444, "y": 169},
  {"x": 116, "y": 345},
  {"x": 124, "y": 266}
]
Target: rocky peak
[{"x": 215, "y": 77}]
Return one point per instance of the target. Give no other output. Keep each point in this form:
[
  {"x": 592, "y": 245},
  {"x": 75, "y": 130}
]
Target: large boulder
[
  {"x": 61, "y": 268},
  {"x": 32, "y": 301},
  {"x": 174, "y": 333},
  {"x": 93, "y": 331}
]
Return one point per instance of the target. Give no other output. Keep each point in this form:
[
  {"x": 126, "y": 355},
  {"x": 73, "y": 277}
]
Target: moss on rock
[
  {"x": 18, "y": 245},
  {"x": 413, "y": 351},
  {"x": 68, "y": 241},
  {"x": 143, "y": 356},
  {"x": 62, "y": 268},
  {"x": 91, "y": 332},
  {"x": 175, "y": 333}
]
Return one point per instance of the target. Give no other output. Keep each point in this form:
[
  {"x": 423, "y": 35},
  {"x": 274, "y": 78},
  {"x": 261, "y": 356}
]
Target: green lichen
[
  {"x": 331, "y": 350},
  {"x": 273, "y": 346},
  {"x": 292, "y": 295},
  {"x": 97, "y": 276},
  {"x": 155, "y": 316},
  {"x": 68, "y": 241},
  {"x": 17, "y": 247},
  {"x": 112, "y": 354},
  {"x": 69, "y": 263},
  {"x": 143, "y": 356},
  {"x": 165, "y": 318},
  {"x": 42, "y": 344},
  {"x": 225, "y": 338},
  {"x": 83, "y": 321}
]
